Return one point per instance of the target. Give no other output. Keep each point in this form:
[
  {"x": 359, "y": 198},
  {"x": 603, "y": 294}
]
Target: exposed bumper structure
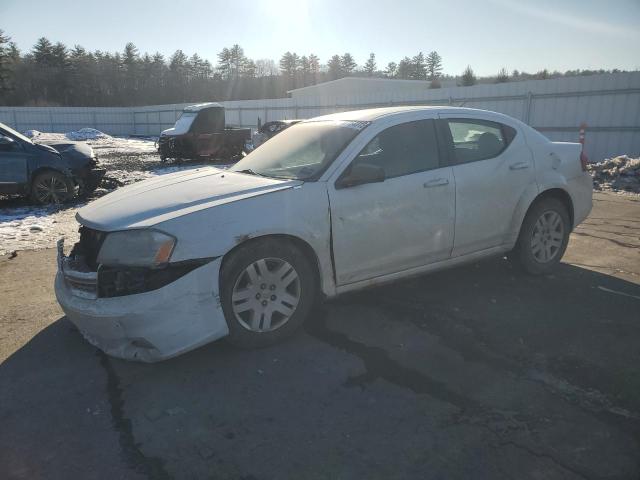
[
  {"x": 88, "y": 178},
  {"x": 147, "y": 327}
]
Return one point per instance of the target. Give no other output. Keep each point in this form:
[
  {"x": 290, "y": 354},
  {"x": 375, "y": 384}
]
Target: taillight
[{"x": 583, "y": 161}]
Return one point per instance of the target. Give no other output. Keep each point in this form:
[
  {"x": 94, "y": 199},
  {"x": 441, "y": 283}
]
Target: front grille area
[{"x": 89, "y": 246}]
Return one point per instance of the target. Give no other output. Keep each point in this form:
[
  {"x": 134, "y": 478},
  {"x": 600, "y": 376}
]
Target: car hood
[
  {"x": 169, "y": 196},
  {"x": 75, "y": 153},
  {"x": 168, "y": 132}
]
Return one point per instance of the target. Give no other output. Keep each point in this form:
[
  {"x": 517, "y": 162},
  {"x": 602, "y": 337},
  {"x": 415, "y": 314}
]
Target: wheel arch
[
  {"x": 559, "y": 194},
  {"x": 300, "y": 243},
  {"x": 48, "y": 168}
]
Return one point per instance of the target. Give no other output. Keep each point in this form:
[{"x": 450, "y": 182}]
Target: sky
[{"x": 485, "y": 34}]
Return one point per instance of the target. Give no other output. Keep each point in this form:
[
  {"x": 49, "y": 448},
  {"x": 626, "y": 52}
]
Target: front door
[
  {"x": 400, "y": 223},
  {"x": 492, "y": 166},
  {"x": 14, "y": 173}
]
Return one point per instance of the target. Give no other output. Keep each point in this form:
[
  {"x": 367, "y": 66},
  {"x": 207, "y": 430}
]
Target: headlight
[{"x": 136, "y": 248}]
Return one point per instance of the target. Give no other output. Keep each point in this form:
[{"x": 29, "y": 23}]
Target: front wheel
[
  {"x": 51, "y": 187},
  {"x": 543, "y": 237},
  {"x": 268, "y": 288}
]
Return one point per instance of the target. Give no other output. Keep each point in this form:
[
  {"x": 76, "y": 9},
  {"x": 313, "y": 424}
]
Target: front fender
[{"x": 301, "y": 212}]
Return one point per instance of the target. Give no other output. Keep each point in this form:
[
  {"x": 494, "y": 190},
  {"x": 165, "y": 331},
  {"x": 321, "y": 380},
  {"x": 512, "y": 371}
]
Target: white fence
[{"x": 609, "y": 104}]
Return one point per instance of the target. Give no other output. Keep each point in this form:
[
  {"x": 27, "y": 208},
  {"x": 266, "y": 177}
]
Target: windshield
[
  {"x": 11, "y": 131},
  {"x": 301, "y": 152},
  {"x": 184, "y": 122}
]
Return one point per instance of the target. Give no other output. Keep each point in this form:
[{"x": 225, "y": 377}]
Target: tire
[
  {"x": 260, "y": 313},
  {"x": 543, "y": 238},
  {"x": 51, "y": 187}
]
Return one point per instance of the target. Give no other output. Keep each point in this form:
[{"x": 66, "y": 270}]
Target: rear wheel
[
  {"x": 268, "y": 288},
  {"x": 51, "y": 187},
  {"x": 543, "y": 237}
]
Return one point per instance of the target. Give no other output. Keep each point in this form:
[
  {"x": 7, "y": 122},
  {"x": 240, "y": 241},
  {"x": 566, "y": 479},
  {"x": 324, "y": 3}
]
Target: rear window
[{"x": 475, "y": 140}]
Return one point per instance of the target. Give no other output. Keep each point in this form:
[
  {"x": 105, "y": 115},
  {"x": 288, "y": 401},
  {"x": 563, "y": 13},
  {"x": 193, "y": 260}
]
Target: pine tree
[
  {"x": 370, "y": 66},
  {"x": 542, "y": 74},
  {"x": 288, "y": 64},
  {"x": 503, "y": 76},
  {"x": 305, "y": 70},
  {"x": 335, "y": 67},
  {"x": 405, "y": 68},
  {"x": 314, "y": 67},
  {"x": 5, "y": 64},
  {"x": 434, "y": 65},
  {"x": 249, "y": 69},
  {"x": 195, "y": 66},
  {"x": 347, "y": 64},
  {"x": 392, "y": 68},
  {"x": 224, "y": 63},
  {"x": 468, "y": 77},
  {"x": 238, "y": 61},
  {"x": 130, "y": 58},
  {"x": 43, "y": 52},
  {"x": 418, "y": 70}
]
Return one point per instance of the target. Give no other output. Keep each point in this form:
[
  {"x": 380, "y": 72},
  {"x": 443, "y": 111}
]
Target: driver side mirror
[{"x": 360, "y": 174}]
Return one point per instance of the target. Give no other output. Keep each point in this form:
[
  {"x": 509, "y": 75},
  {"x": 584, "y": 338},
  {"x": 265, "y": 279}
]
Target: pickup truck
[{"x": 201, "y": 132}]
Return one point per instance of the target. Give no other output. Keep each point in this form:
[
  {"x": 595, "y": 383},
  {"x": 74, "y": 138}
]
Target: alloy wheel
[
  {"x": 547, "y": 237},
  {"x": 51, "y": 189},
  {"x": 266, "y": 295}
]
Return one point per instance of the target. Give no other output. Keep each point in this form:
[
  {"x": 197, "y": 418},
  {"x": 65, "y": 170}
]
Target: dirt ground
[{"x": 475, "y": 372}]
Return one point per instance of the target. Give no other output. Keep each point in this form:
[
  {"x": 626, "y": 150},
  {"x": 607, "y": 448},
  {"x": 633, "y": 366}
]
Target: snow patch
[
  {"x": 87, "y": 134},
  {"x": 618, "y": 174},
  {"x": 30, "y": 228}
]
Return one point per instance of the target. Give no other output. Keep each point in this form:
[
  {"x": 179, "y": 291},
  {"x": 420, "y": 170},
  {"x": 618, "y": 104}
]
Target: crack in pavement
[
  {"x": 607, "y": 412},
  {"x": 152, "y": 467},
  {"x": 378, "y": 364},
  {"x": 532, "y": 452},
  {"x": 617, "y": 242}
]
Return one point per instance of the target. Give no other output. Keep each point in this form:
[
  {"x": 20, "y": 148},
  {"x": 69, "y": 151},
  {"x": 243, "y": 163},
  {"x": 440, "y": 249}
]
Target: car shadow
[{"x": 435, "y": 374}]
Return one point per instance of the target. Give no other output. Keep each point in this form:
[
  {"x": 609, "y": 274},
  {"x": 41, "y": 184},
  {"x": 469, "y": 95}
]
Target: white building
[{"x": 364, "y": 85}]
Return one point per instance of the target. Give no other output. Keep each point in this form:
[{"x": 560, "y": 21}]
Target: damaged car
[
  {"x": 47, "y": 173},
  {"x": 201, "y": 132},
  {"x": 330, "y": 205}
]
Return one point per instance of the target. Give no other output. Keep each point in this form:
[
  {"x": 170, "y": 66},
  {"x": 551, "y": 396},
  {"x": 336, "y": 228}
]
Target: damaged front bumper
[
  {"x": 150, "y": 326},
  {"x": 88, "y": 178}
]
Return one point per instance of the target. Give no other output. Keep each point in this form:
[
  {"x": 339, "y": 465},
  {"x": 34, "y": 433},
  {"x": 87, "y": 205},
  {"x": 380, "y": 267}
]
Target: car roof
[
  {"x": 372, "y": 114},
  {"x": 202, "y": 106}
]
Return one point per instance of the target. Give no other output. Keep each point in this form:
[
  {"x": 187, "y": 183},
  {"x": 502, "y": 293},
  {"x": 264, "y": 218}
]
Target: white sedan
[{"x": 330, "y": 205}]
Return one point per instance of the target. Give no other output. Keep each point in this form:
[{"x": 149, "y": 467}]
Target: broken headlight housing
[{"x": 136, "y": 248}]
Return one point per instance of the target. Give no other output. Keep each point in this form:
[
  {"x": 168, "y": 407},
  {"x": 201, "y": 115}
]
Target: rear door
[
  {"x": 14, "y": 172},
  {"x": 406, "y": 221},
  {"x": 492, "y": 167}
]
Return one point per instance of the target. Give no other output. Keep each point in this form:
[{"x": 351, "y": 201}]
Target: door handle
[
  {"x": 519, "y": 166},
  {"x": 436, "y": 182}
]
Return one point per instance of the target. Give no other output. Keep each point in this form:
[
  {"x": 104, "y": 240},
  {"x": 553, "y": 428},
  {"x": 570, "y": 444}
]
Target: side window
[
  {"x": 403, "y": 149},
  {"x": 475, "y": 140}
]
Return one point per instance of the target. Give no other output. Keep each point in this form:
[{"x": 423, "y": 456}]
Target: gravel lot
[
  {"x": 27, "y": 227},
  {"x": 476, "y": 372}
]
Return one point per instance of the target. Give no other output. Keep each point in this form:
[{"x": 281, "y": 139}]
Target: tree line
[{"x": 54, "y": 74}]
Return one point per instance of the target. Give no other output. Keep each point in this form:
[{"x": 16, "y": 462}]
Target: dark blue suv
[{"x": 52, "y": 173}]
